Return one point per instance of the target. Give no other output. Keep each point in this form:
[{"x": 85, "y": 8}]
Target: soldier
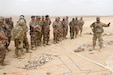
[
  {"x": 11, "y": 23},
  {"x": 56, "y": 25},
  {"x": 21, "y": 17},
  {"x": 81, "y": 23},
  {"x": 18, "y": 34},
  {"x": 60, "y": 29},
  {"x": 97, "y": 28},
  {"x": 72, "y": 28},
  {"x": 66, "y": 26},
  {"x": 32, "y": 32},
  {"x": 25, "y": 41},
  {"x": 8, "y": 29},
  {"x": 76, "y": 27},
  {"x": 38, "y": 29},
  {"x": 46, "y": 30},
  {"x": 2, "y": 39}
]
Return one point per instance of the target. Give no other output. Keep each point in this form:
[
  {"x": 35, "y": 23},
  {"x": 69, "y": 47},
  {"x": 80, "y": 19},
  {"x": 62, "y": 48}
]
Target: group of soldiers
[
  {"x": 6, "y": 26},
  {"x": 40, "y": 32},
  {"x": 76, "y": 26},
  {"x": 39, "y": 29}
]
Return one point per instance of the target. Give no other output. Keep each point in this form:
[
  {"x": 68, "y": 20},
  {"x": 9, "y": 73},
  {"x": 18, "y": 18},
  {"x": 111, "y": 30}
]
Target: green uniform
[{"x": 72, "y": 29}]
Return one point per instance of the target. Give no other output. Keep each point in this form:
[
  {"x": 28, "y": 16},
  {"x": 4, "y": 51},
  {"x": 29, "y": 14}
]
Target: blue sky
[{"x": 56, "y": 7}]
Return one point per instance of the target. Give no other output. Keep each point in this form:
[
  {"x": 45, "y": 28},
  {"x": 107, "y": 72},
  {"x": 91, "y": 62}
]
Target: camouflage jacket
[{"x": 98, "y": 27}]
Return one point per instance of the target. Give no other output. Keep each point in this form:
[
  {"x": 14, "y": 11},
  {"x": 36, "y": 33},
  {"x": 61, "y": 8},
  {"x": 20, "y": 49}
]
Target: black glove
[{"x": 109, "y": 24}]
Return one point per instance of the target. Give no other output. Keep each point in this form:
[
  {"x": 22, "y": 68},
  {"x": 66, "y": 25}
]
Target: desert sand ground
[{"x": 61, "y": 58}]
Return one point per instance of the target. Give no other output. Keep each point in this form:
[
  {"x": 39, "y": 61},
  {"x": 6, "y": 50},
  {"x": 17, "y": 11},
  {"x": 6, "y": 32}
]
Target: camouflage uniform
[
  {"x": 42, "y": 23},
  {"x": 32, "y": 32},
  {"x": 56, "y": 25},
  {"x": 66, "y": 21},
  {"x": 8, "y": 29},
  {"x": 46, "y": 30},
  {"x": 81, "y": 23},
  {"x": 11, "y": 23},
  {"x": 76, "y": 27},
  {"x": 18, "y": 34},
  {"x": 2, "y": 40},
  {"x": 97, "y": 32},
  {"x": 72, "y": 28},
  {"x": 38, "y": 31},
  {"x": 60, "y": 29},
  {"x": 64, "y": 28},
  {"x": 25, "y": 41}
]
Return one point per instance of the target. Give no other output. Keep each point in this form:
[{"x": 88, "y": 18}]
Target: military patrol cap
[
  {"x": 32, "y": 16},
  {"x": 37, "y": 16},
  {"x": 56, "y": 18},
  {"x": 97, "y": 18},
  {"x": 21, "y": 16}
]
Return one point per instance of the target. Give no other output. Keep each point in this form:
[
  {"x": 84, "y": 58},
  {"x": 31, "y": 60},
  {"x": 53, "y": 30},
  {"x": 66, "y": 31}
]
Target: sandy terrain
[{"x": 61, "y": 58}]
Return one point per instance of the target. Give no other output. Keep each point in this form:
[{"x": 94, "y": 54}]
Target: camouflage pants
[
  {"x": 99, "y": 37},
  {"x": 80, "y": 29},
  {"x": 64, "y": 32},
  {"x": 76, "y": 31},
  {"x": 2, "y": 53},
  {"x": 33, "y": 39},
  {"x": 25, "y": 43},
  {"x": 55, "y": 36},
  {"x": 38, "y": 38},
  {"x": 72, "y": 33},
  {"x": 60, "y": 34},
  {"x": 19, "y": 47},
  {"x": 46, "y": 36},
  {"x": 8, "y": 42}
]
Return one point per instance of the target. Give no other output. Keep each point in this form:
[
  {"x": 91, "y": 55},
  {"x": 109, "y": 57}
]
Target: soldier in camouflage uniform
[
  {"x": 11, "y": 23},
  {"x": 38, "y": 29},
  {"x": 72, "y": 28},
  {"x": 76, "y": 27},
  {"x": 60, "y": 29},
  {"x": 7, "y": 29},
  {"x": 25, "y": 41},
  {"x": 3, "y": 38},
  {"x": 97, "y": 28},
  {"x": 66, "y": 26},
  {"x": 46, "y": 30},
  {"x": 32, "y": 25},
  {"x": 18, "y": 34},
  {"x": 56, "y": 32},
  {"x": 81, "y": 23}
]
